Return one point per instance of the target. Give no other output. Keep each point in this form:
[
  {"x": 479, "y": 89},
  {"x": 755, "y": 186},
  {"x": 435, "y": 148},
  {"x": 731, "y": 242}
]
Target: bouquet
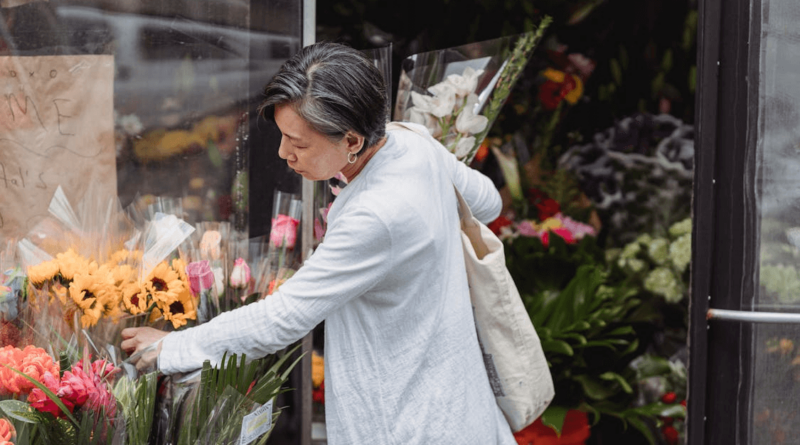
[{"x": 458, "y": 92}]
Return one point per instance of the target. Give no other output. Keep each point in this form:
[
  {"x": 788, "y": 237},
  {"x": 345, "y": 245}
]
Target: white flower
[
  {"x": 464, "y": 146},
  {"x": 416, "y": 116},
  {"x": 468, "y": 122},
  {"x": 444, "y": 99},
  {"x": 421, "y": 102},
  {"x": 131, "y": 124},
  {"x": 465, "y": 84}
]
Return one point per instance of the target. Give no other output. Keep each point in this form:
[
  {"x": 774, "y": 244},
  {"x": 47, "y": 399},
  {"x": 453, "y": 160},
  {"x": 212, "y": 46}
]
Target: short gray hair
[{"x": 333, "y": 87}]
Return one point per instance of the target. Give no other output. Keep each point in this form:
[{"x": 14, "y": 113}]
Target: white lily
[
  {"x": 444, "y": 99},
  {"x": 467, "y": 121},
  {"x": 421, "y": 102},
  {"x": 466, "y": 83},
  {"x": 464, "y": 146}
]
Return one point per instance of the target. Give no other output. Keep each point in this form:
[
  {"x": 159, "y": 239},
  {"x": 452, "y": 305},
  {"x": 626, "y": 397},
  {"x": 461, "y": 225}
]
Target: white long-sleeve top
[{"x": 402, "y": 361}]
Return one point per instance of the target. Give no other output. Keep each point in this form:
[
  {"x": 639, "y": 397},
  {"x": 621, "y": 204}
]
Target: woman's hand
[{"x": 143, "y": 345}]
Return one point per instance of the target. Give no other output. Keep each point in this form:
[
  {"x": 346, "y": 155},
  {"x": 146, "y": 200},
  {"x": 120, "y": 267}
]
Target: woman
[{"x": 403, "y": 364}]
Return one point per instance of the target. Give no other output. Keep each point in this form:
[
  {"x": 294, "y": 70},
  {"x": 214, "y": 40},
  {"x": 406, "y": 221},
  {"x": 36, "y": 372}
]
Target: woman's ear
[{"x": 353, "y": 142}]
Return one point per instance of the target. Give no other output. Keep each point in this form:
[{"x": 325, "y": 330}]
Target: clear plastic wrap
[{"x": 458, "y": 92}]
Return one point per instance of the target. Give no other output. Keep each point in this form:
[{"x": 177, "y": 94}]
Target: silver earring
[{"x": 353, "y": 159}]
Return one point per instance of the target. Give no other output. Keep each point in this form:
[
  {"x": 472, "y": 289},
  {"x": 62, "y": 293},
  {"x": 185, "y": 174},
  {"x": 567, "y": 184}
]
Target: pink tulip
[
  {"x": 200, "y": 276},
  {"x": 284, "y": 231},
  {"x": 240, "y": 275}
]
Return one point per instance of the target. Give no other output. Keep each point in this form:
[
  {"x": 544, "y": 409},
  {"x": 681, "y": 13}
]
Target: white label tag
[{"x": 256, "y": 423}]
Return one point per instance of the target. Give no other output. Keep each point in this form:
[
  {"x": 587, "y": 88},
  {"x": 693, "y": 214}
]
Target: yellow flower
[
  {"x": 317, "y": 369},
  {"x": 42, "y": 272},
  {"x": 135, "y": 298},
  {"x": 180, "y": 266},
  {"x": 548, "y": 224},
  {"x": 118, "y": 257},
  {"x": 87, "y": 293},
  {"x": 576, "y": 93},
  {"x": 71, "y": 264},
  {"x": 179, "y": 311},
  {"x": 554, "y": 75},
  {"x": 164, "y": 284}
]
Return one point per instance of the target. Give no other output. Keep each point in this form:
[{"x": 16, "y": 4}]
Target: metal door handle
[{"x": 752, "y": 317}]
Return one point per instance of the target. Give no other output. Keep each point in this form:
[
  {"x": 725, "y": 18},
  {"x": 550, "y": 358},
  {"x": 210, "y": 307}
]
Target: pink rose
[
  {"x": 200, "y": 276},
  {"x": 284, "y": 231},
  {"x": 240, "y": 275}
]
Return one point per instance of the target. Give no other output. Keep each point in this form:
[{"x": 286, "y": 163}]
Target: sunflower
[
  {"x": 179, "y": 311},
  {"x": 71, "y": 264},
  {"x": 118, "y": 257},
  {"x": 87, "y": 293},
  {"x": 42, "y": 272},
  {"x": 164, "y": 284},
  {"x": 180, "y": 266},
  {"x": 134, "y": 298}
]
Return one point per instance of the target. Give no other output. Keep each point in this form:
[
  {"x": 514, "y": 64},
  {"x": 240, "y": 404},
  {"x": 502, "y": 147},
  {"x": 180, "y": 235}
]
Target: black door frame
[{"x": 724, "y": 245}]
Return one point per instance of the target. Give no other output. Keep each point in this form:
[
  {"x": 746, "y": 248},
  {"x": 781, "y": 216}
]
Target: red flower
[
  {"x": 669, "y": 397},
  {"x": 575, "y": 431},
  {"x": 499, "y": 223},
  {"x": 670, "y": 434},
  {"x": 551, "y": 93},
  {"x": 547, "y": 208},
  {"x": 318, "y": 394}
]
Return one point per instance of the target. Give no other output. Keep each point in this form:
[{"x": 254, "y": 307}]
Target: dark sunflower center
[
  {"x": 87, "y": 295},
  {"x": 135, "y": 300},
  {"x": 159, "y": 284},
  {"x": 176, "y": 308}
]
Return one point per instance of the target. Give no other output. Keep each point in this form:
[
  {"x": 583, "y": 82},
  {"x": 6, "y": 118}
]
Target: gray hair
[{"x": 335, "y": 89}]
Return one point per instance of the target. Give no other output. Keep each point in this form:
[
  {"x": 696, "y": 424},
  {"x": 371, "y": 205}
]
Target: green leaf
[
  {"x": 593, "y": 388},
  {"x": 659, "y": 409},
  {"x": 613, "y": 376},
  {"x": 558, "y": 347},
  {"x": 622, "y": 330},
  {"x": 616, "y": 71},
  {"x": 554, "y": 416},
  {"x": 13, "y": 409},
  {"x": 642, "y": 427},
  {"x": 666, "y": 62},
  {"x": 214, "y": 155}
]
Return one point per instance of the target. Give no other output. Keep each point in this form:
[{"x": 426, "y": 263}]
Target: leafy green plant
[
  {"x": 239, "y": 375},
  {"x": 589, "y": 344}
]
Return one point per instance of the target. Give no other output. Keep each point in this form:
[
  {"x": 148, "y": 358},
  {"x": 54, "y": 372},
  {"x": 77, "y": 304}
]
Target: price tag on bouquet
[{"x": 257, "y": 423}]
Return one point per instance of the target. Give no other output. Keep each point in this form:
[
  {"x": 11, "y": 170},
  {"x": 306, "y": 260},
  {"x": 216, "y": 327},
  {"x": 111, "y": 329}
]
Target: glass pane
[
  {"x": 139, "y": 99},
  {"x": 776, "y": 384}
]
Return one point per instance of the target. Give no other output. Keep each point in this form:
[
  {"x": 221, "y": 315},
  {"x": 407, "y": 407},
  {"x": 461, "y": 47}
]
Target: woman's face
[{"x": 308, "y": 152}]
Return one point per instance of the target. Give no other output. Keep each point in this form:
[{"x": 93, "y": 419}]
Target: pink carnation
[{"x": 577, "y": 229}]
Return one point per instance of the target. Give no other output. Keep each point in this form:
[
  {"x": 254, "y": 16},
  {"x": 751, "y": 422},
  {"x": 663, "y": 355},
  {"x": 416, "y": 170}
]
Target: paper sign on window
[{"x": 56, "y": 128}]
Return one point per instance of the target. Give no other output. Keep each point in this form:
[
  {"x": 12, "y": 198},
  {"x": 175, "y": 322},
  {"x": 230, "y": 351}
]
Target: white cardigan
[{"x": 402, "y": 361}]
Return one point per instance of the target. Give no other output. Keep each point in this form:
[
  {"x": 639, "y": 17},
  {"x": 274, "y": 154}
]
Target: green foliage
[
  {"x": 137, "y": 400},
  {"x": 536, "y": 268},
  {"x": 269, "y": 375}
]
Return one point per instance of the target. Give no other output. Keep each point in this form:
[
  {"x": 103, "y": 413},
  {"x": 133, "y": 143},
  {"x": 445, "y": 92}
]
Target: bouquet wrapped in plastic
[{"x": 458, "y": 92}]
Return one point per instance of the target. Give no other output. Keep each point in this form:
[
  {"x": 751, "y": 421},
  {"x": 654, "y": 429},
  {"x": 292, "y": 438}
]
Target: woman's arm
[
  {"x": 356, "y": 253},
  {"x": 477, "y": 189}
]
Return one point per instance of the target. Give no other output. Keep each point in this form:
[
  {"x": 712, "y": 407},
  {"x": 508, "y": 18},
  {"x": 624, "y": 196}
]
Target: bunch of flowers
[
  {"x": 80, "y": 387},
  {"x": 165, "y": 292},
  {"x": 458, "y": 92},
  {"x": 450, "y": 114},
  {"x": 32, "y": 361}
]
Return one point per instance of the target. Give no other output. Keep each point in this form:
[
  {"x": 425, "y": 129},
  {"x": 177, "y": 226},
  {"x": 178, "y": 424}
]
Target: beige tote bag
[{"x": 512, "y": 352}]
